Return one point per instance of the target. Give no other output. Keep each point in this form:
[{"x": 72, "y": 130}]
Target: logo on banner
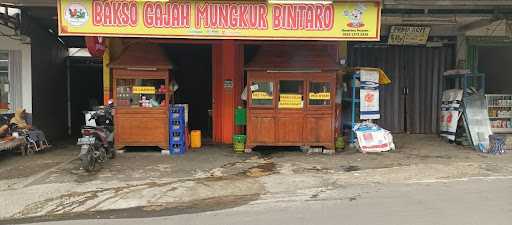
[
  {"x": 76, "y": 14},
  {"x": 355, "y": 16}
]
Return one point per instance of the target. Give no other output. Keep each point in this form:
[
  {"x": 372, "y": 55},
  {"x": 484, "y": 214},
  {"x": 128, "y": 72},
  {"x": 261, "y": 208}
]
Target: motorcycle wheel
[
  {"x": 113, "y": 153},
  {"x": 88, "y": 162}
]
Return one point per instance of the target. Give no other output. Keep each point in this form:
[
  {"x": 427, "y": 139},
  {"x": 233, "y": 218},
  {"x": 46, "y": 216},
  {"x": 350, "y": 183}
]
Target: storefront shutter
[{"x": 416, "y": 69}]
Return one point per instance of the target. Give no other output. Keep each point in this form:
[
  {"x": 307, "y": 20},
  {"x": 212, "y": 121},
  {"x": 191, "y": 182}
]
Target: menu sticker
[
  {"x": 144, "y": 90},
  {"x": 261, "y": 95},
  {"x": 320, "y": 96},
  {"x": 291, "y": 101}
]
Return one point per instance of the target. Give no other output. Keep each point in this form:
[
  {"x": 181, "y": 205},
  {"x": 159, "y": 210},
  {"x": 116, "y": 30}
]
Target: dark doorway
[
  {"x": 411, "y": 103},
  {"x": 494, "y": 62},
  {"x": 86, "y": 83},
  {"x": 193, "y": 74}
]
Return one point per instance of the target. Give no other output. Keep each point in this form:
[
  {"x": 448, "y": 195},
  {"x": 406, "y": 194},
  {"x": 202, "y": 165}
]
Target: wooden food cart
[
  {"x": 140, "y": 89},
  {"x": 291, "y": 97}
]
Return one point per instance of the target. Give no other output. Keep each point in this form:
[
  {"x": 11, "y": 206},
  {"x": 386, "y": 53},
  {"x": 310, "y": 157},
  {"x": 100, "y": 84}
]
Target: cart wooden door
[{"x": 261, "y": 124}]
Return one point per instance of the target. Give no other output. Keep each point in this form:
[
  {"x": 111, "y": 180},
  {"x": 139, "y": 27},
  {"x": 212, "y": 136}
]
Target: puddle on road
[{"x": 261, "y": 170}]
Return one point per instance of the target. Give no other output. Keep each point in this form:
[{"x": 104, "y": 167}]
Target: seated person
[
  {"x": 20, "y": 121},
  {"x": 4, "y": 131}
]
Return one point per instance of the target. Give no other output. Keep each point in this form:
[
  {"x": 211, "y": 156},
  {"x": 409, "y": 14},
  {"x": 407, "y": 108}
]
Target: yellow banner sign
[
  {"x": 320, "y": 96},
  {"x": 143, "y": 90},
  {"x": 221, "y": 19},
  {"x": 290, "y": 97},
  {"x": 290, "y": 105},
  {"x": 261, "y": 95},
  {"x": 291, "y": 101}
]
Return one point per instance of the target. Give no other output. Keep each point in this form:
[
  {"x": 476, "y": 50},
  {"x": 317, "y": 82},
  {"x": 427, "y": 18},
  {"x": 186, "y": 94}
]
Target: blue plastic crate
[
  {"x": 177, "y": 119},
  {"x": 177, "y": 112},
  {"x": 180, "y": 119},
  {"x": 175, "y": 115},
  {"x": 177, "y": 139},
  {"x": 177, "y": 128},
  {"x": 176, "y": 149},
  {"x": 177, "y": 134}
]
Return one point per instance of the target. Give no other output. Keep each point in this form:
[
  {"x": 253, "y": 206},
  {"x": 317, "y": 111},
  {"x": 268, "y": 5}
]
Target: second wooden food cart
[{"x": 291, "y": 97}]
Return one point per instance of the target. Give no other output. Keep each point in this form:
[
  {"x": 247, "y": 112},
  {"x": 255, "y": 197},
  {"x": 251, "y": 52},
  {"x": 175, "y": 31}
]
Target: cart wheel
[
  {"x": 89, "y": 163},
  {"x": 113, "y": 153}
]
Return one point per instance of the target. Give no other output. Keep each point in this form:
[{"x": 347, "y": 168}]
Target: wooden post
[{"x": 227, "y": 87}]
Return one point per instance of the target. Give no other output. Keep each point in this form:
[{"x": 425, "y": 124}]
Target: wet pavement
[{"x": 143, "y": 183}]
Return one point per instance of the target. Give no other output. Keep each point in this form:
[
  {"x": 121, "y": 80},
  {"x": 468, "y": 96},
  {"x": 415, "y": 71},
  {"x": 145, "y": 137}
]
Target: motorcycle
[{"x": 97, "y": 141}]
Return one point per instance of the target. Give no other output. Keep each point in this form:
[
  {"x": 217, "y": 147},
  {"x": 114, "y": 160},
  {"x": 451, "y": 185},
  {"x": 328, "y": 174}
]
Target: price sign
[
  {"x": 261, "y": 95},
  {"x": 144, "y": 90},
  {"x": 290, "y": 101},
  {"x": 320, "y": 96}
]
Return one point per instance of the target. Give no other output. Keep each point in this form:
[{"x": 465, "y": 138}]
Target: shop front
[
  {"x": 209, "y": 47},
  {"x": 490, "y": 56}
]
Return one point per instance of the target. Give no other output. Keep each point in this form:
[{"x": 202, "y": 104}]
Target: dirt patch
[
  {"x": 26, "y": 170},
  {"x": 156, "y": 196},
  {"x": 206, "y": 205},
  {"x": 14, "y": 166},
  {"x": 264, "y": 169}
]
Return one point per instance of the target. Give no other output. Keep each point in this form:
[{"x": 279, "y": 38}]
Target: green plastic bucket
[
  {"x": 340, "y": 143},
  {"x": 239, "y": 143},
  {"x": 240, "y": 116}
]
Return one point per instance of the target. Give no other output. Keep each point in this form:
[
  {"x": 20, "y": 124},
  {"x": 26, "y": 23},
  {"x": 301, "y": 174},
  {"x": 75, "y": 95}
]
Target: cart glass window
[
  {"x": 262, "y": 93},
  {"x": 147, "y": 93},
  {"x": 291, "y": 94},
  {"x": 319, "y": 93}
]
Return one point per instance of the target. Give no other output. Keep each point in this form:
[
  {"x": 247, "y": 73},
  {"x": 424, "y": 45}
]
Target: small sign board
[
  {"x": 320, "y": 96},
  {"x": 408, "y": 35},
  {"x": 261, "y": 95},
  {"x": 228, "y": 83},
  {"x": 290, "y": 101},
  {"x": 144, "y": 90}
]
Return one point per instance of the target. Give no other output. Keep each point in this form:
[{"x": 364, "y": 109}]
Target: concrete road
[{"x": 459, "y": 201}]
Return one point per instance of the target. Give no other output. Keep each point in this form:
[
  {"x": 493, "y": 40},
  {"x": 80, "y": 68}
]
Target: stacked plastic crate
[{"x": 177, "y": 130}]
